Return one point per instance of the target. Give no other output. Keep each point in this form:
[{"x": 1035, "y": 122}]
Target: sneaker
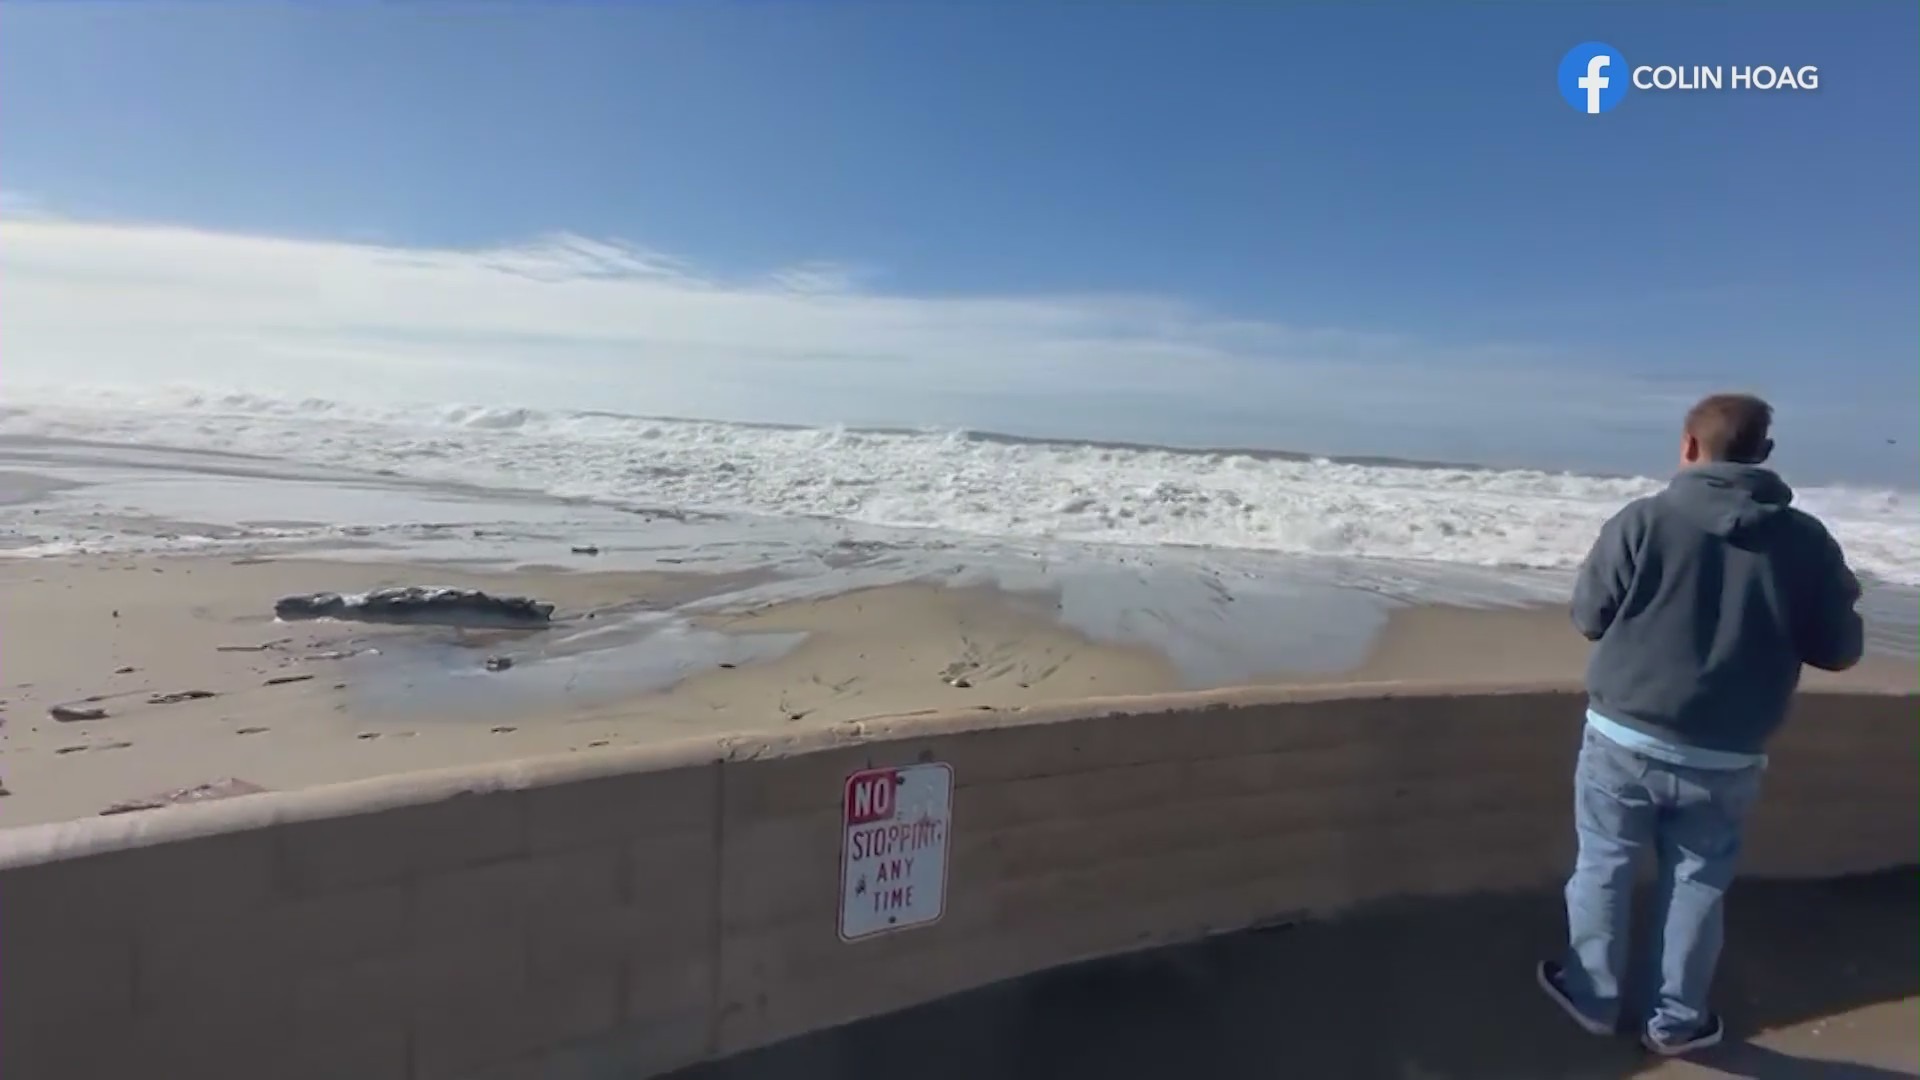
[
  {"x": 1709, "y": 1034},
  {"x": 1552, "y": 980}
]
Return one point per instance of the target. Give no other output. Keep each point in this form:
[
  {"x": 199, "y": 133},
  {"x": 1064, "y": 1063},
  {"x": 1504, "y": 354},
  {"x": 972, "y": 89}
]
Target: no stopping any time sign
[{"x": 897, "y": 827}]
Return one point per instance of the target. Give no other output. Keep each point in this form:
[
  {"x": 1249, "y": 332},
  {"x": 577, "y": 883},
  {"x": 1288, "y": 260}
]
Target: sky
[{"x": 1353, "y": 228}]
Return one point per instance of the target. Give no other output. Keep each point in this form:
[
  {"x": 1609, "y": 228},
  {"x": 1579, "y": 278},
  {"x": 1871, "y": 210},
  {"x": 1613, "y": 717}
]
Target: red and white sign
[{"x": 893, "y": 852}]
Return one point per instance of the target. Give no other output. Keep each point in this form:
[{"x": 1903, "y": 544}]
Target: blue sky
[{"x": 1378, "y": 194}]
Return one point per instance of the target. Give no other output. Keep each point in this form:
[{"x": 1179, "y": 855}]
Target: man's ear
[{"x": 1766, "y": 451}]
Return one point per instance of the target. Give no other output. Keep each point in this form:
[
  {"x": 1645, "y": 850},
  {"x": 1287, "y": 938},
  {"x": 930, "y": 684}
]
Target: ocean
[
  {"x": 1138, "y": 526},
  {"x": 953, "y": 482}
]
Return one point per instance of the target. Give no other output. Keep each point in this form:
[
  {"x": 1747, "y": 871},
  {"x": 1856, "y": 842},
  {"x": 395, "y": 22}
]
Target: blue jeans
[{"x": 1692, "y": 818}]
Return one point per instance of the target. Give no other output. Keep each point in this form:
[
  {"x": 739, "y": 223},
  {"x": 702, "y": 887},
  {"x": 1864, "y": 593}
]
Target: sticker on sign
[{"x": 893, "y": 850}]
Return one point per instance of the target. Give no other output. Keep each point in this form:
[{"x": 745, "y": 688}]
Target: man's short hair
[{"x": 1731, "y": 427}]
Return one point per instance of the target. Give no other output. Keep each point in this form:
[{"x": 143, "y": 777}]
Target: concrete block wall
[{"x": 626, "y": 913}]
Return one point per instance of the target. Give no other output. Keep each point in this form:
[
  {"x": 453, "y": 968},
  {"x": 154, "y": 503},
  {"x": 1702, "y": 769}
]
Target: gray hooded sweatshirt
[{"x": 1705, "y": 600}]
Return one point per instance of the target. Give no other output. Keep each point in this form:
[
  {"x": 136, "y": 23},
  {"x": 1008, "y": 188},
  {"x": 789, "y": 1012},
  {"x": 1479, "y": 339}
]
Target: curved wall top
[{"x": 643, "y": 909}]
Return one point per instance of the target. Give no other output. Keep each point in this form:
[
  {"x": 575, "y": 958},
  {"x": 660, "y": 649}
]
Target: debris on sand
[
  {"x": 263, "y": 647},
  {"x": 217, "y": 789},
  {"x": 499, "y": 663},
  {"x": 71, "y": 714},
  {"x": 419, "y": 604},
  {"x": 342, "y": 654},
  {"x": 282, "y": 680},
  {"x": 586, "y": 549},
  {"x": 179, "y": 696}
]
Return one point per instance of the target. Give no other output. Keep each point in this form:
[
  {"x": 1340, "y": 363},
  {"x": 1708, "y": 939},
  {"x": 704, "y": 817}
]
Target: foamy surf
[{"x": 956, "y": 482}]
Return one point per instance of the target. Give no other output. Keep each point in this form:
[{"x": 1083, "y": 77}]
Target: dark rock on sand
[
  {"x": 586, "y": 549},
  {"x": 419, "y": 604},
  {"x": 69, "y": 714},
  {"x": 499, "y": 663}
]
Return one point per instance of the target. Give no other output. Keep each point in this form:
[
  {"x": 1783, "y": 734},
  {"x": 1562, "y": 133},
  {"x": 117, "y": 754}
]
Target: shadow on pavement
[
  {"x": 1760, "y": 1063},
  {"x": 1408, "y": 991}
]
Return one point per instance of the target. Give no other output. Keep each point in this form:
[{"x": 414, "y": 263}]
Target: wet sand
[
  {"x": 910, "y": 648},
  {"x": 1820, "y": 981},
  {"x": 200, "y": 684},
  {"x": 1523, "y": 644}
]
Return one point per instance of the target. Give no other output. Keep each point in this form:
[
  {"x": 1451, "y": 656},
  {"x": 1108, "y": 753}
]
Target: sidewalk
[{"x": 1827, "y": 974}]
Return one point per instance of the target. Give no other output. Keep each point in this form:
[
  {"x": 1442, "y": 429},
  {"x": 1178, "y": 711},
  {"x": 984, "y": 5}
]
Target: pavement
[{"x": 1819, "y": 981}]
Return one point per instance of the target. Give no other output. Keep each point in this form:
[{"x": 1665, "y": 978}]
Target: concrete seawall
[{"x": 627, "y": 913}]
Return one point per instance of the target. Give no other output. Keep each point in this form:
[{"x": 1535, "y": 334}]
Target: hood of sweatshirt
[{"x": 1729, "y": 499}]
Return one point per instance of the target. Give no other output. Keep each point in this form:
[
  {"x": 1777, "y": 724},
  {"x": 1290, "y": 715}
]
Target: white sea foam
[{"x": 951, "y": 481}]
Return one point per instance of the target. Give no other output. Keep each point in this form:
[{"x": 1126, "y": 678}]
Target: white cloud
[{"x": 570, "y": 321}]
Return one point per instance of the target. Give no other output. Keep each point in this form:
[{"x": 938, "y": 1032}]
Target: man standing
[{"x": 1705, "y": 599}]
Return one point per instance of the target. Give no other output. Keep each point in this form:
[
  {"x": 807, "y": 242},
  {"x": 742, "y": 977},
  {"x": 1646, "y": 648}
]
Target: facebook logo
[{"x": 1593, "y": 77}]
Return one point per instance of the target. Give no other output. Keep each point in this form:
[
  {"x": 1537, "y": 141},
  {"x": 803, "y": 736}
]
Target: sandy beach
[{"x": 196, "y": 683}]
